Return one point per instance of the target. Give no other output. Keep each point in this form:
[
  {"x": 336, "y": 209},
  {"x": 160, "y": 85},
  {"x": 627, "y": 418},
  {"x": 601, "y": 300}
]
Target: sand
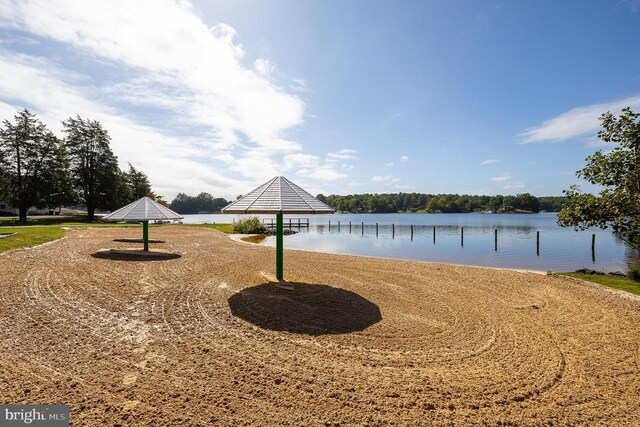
[{"x": 205, "y": 339}]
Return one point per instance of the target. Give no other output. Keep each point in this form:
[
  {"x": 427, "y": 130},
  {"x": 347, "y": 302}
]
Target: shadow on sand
[
  {"x": 134, "y": 255},
  {"x": 127, "y": 240},
  {"x": 309, "y": 309}
]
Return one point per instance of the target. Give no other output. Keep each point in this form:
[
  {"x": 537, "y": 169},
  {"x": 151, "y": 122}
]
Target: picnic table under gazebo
[{"x": 278, "y": 196}]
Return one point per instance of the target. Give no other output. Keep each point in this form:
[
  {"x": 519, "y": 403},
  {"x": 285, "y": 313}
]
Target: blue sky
[{"x": 481, "y": 97}]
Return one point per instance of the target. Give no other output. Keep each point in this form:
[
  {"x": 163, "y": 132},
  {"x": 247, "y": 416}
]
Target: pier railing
[{"x": 270, "y": 223}]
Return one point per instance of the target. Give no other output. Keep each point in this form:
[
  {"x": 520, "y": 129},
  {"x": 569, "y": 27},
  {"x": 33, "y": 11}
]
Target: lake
[{"x": 561, "y": 249}]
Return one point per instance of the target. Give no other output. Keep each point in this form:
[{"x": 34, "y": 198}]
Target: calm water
[{"x": 561, "y": 249}]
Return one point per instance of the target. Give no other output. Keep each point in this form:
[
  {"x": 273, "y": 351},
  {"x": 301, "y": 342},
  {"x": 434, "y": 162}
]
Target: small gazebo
[
  {"x": 278, "y": 196},
  {"x": 143, "y": 210}
]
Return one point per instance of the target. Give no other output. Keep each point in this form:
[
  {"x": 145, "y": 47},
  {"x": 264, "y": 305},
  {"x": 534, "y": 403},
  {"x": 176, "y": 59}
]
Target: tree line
[
  {"x": 39, "y": 169},
  {"x": 202, "y": 203},
  {"x": 441, "y": 203}
]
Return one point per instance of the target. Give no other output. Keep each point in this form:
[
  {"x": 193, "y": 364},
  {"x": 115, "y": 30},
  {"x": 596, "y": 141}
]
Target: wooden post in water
[
  {"x": 338, "y": 226},
  {"x": 593, "y": 247},
  {"x": 363, "y": 228},
  {"x": 393, "y": 231},
  {"x": 289, "y": 223},
  {"x": 537, "y": 243},
  {"x": 434, "y": 234},
  {"x": 412, "y": 232},
  {"x": 376, "y": 229},
  {"x": 495, "y": 239},
  {"x": 462, "y": 236},
  {"x": 329, "y": 225},
  {"x": 349, "y": 227}
]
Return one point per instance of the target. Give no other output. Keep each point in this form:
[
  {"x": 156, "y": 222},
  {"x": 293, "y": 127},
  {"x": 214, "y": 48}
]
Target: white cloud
[
  {"x": 344, "y": 154},
  {"x": 514, "y": 185},
  {"x": 489, "y": 162},
  {"x": 502, "y": 178},
  {"x": 390, "y": 164},
  {"x": 577, "y": 122},
  {"x": 404, "y": 158},
  {"x": 206, "y": 115},
  {"x": 264, "y": 66},
  {"x": 323, "y": 173},
  {"x": 299, "y": 85},
  {"x": 161, "y": 156},
  {"x": 382, "y": 178},
  {"x": 292, "y": 161},
  {"x": 507, "y": 182},
  {"x": 310, "y": 166}
]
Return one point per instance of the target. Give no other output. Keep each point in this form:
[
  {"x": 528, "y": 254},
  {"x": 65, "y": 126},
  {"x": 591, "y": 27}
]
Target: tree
[
  {"x": 138, "y": 182},
  {"x": 32, "y": 164},
  {"x": 94, "y": 167},
  {"x": 618, "y": 172},
  {"x": 158, "y": 198}
]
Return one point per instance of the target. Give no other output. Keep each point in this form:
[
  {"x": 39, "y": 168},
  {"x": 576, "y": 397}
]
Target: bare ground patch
[{"x": 204, "y": 339}]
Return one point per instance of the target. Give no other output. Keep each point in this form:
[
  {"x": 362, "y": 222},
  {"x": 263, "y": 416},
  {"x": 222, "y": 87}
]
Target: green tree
[
  {"x": 138, "y": 182},
  {"x": 94, "y": 168},
  {"x": 617, "y": 171},
  {"x": 32, "y": 164}
]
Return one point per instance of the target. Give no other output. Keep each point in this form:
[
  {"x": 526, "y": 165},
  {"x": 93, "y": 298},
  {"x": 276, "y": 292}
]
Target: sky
[{"x": 341, "y": 97}]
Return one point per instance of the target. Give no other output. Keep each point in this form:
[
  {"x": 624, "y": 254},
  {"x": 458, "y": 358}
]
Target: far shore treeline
[
  {"x": 396, "y": 202},
  {"x": 442, "y": 203}
]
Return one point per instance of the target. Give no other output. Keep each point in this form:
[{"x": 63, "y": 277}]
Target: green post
[
  {"x": 279, "y": 254},
  {"x": 145, "y": 235}
]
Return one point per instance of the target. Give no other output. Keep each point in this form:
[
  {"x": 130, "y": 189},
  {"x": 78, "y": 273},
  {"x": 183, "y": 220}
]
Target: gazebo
[
  {"x": 278, "y": 196},
  {"x": 144, "y": 210}
]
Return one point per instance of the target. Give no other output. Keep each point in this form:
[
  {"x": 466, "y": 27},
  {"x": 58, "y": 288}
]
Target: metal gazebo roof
[
  {"x": 278, "y": 196},
  {"x": 143, "y": 209}
]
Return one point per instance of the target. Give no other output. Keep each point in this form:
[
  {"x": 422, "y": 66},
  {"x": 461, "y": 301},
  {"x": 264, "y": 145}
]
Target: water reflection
[{"x": 411, "y": 236}]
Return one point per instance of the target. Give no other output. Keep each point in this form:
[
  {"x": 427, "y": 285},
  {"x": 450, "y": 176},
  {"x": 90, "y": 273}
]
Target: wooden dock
[{"x": 290, "y": 223}]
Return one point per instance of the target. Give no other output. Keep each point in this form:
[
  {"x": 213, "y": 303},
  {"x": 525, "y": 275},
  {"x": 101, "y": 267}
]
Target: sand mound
[{"x": 206, "y": 340}]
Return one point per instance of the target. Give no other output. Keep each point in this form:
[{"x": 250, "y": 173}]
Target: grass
[
  {"x": 62, "y": 221},
  {"x": 28, "y": 236},
  {"x": 225, "y": 228},
  {"x": 620, "y": 283}
]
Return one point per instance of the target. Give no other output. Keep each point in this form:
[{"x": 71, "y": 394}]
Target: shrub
[
  {"x": 251, "y": 225},
  {"x": 634, "y": 273}
]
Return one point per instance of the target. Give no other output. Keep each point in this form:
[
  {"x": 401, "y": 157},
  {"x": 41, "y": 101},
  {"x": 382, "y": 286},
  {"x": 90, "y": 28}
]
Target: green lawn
[
  {"x": 65, "y": 221},
  {"x": 225, "y": 228},
  {"x": 28, "y": 236},
  {"x": 620, "y": 283}
]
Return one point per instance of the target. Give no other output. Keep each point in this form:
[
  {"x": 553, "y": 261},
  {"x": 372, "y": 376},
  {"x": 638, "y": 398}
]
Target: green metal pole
[
  {"x": 279, "y": 254},
  {"x": 145, "y": 235}
]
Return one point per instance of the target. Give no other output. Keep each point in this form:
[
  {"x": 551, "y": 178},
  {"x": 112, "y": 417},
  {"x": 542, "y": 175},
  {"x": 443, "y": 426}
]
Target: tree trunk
[
  {"x": 23, "y": 214},
  {"x": 91, "y": 212}
]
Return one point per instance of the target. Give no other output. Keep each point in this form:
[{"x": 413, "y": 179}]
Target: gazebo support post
[
  {"x": 279, "y": 246},
  {"x": 145, "y": 235}
]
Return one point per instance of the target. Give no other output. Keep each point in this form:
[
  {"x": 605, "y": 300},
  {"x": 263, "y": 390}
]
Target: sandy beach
[{"x": 205, "y": 339}]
